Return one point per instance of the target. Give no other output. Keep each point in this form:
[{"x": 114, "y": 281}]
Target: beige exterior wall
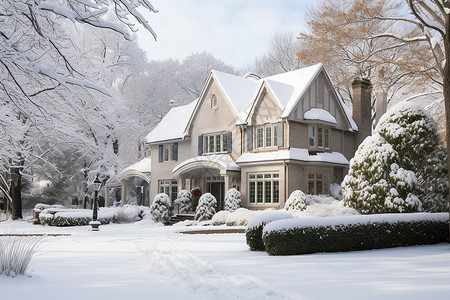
[{"x": 163, "y": 170}]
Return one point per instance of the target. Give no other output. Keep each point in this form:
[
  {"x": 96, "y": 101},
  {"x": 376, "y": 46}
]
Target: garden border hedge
[{"x": 362, "y": 232}]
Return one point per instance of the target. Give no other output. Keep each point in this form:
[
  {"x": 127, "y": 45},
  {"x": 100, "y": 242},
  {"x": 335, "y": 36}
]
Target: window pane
[
  {"x": 276, "y": 175},
  {"x": 311, "y": 136},
  {"x": 224, "y": 142},
  {"x": 319, "y": 186},
  {"x": 327, "y": 139},
  {"x": 319, "y": 137},
  {"x": 259, "y": 176},
  {"x": 276, "y": 191},
  {"x": 260, "y": 137},
  {"x": 166, "y": 152},
  {"x": 205, "y": 144},
  {"x": 251, "y": 176},
  {"x": 218, "y": 148},
  {"x": 311, "y": 187},
  {"x": 267, "y": 192},
  {"x": 211, "y": 144},
  {"x": 267, "y": 175},
  {"x": 252, "y": 192},
  {"x": 174, "y": 192},
  {"x": 268, "y": 136},
  {"x": 259, "y": 192}
]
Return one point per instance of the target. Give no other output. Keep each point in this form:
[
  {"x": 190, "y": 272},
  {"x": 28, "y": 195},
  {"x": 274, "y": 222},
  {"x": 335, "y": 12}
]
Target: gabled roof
[
  {"x": 288, "y": 88},
  {"x": 144, "y": 166},
  {"x": 173, "y": 125}
]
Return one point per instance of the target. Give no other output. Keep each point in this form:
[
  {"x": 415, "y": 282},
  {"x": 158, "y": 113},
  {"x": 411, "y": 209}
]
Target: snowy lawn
[{"x": 148, "y": 261}]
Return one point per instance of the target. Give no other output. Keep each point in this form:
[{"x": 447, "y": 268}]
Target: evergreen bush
[
  {"x": 401, "y": 167},
  {"x": 206, "y": 207},
  {"x": 363, "y": 232},
  {"x": 160, "y": 208},
  {"x": 296, "y": 202},
  {"x": 232, "y": 200},
  {"x": 184, "y": 202}
]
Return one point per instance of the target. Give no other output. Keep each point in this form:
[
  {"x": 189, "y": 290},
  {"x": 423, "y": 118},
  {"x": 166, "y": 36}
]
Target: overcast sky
[{"x": 235, "y": 31}]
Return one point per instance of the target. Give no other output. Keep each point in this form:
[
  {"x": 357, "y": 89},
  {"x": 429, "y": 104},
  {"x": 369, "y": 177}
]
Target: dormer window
[{"x": 214, "y": 101}]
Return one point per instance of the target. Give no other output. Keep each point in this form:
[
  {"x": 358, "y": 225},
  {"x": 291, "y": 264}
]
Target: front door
[{"x": 216, "y": 186}]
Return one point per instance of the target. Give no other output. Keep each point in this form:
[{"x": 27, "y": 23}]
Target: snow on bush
[
  {"x": 184, "y": 202},
  {"x": 206, "y": 208},
  {"x": 240, "y": 217},
  {"x": 255, "y": 227},
  {"x": 296, "y": 202},
  {"x": 220, "y": 217},
  {"x": 16, "y": 253},
  {"x": 324, "y": 206},
  {"x": 232, "y": 200},
  {"x": 335, "y": 191},
  {"x": 74, "y": 217},
  {"x": 131, "y": 213},
  {"x": 401, "y": 167},
  {"x": 160, "y": 208}
]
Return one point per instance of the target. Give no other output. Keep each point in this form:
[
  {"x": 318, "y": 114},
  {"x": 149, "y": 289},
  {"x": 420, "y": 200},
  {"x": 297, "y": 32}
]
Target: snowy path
[{"x": 203, "y": 278}]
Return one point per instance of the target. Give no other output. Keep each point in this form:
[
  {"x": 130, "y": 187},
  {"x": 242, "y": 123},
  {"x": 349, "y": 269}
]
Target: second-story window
[
  {"x": 215, "y": 143},
  {"x": 168, "y": 152},
  {"x": 267, "y": 136},
  {"x": 319, "y": 137}
]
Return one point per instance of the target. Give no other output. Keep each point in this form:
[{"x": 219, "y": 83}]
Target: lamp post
[{"x": 94, "y": 223}]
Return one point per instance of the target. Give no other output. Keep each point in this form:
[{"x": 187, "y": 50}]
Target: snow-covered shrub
[
  {"x": 240, "y": 217},
  {"x": 362, "y": 232},
  {"x": 296, "y": 202},
  {"x": 74, "y": 217},
  {"x": 220, "y": 217},
  {"x": 184, "y": 202},
  {"x": 232, "y": 200},
  {"x": 335, "y": 191},
  {"x": 131, "y": 213},
  {"x": 160, "y": 208},
  {"x": 255, "y": 227},
  {"x": 16, "y": 253},
  {"x": 206, "y": 208},
  {"x": 400, "y": 168}
]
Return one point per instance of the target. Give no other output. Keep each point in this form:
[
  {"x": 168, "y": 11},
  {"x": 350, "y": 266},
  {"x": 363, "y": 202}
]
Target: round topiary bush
[
  {"x": 296, "y": 202},
  {"x": 184, "y": 202},
  {"x": 206, "y": 207},
  {"x": 160, "y": 208},
  {"x": 232, "y": 200}
]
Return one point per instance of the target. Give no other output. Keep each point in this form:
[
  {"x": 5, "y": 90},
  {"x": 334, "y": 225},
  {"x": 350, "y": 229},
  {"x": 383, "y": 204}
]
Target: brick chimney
[{"x": 362, "y": 111}]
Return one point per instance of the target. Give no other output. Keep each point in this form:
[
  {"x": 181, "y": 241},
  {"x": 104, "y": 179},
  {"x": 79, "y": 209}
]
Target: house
[{"x": 266, "y": 137}]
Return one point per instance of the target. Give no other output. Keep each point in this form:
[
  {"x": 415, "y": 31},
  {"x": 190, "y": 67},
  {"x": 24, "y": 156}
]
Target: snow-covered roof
[
  {"x": 143, "y": 166},
  {"x": 173, "y": 125},
  {"x": 288, "y": 88},
  {"x": 240, "y": 91},
  {"x": 224, "y": 160},
  {"x": 319, "y": 114},
  {"x": 299, "y": 154}
]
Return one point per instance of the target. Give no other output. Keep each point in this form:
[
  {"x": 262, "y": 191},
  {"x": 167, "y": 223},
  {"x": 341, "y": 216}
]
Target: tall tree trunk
[
  {"x": 446, "y": 90},
  {"x": 16, "y": 192}
]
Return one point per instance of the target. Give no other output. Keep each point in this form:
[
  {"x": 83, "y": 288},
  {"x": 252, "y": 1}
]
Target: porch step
[{"x": 180, "y": 218}]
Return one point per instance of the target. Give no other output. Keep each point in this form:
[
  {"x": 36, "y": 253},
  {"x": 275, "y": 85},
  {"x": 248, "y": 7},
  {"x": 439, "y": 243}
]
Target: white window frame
[
  {"x": 315, "y": 184},
  {"x": 258, "y": 184},
  {"x": 213, "y": 142},
  {"x": 320, "y": 136},
  {"x": 267, "y": 136},
  {"x": 169, "y": 187}
]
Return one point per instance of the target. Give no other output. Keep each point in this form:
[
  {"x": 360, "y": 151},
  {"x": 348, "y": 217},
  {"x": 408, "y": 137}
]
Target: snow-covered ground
[{"x": 148, "y": 261}]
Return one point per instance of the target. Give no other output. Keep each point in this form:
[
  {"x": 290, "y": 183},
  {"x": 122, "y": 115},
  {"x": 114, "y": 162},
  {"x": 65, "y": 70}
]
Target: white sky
[{"x": 235, "y": 31}]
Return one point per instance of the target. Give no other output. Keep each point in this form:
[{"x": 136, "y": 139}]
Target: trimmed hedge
[
  {"x": 339, "y": 234},
  {"x": 72, "y": 217},
  {"x": 255, "y": 226}
]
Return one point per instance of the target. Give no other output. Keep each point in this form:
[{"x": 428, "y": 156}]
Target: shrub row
[
  {"x": 255, "y": 227},
  {"x": 72, "y": 218},
  {"x": 363, "y": 232}
]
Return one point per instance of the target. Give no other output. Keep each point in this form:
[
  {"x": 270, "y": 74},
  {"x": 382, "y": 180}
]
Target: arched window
[{"x": 214, "y": 101}]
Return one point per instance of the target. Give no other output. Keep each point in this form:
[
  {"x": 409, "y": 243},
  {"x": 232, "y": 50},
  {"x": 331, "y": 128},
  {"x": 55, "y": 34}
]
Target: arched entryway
[{"x": 214, "y": 174}]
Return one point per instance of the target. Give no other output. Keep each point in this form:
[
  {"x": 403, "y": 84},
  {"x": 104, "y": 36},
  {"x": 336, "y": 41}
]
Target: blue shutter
[
  {"x": 175, "y": 152},
  {"x": 200, "y": 145},
  {"x": 280, "y": 135},
  {"x": 250, "y": 138},
  {"x": 229, "y": 140},
  {"x": 160, "y": 153}
]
